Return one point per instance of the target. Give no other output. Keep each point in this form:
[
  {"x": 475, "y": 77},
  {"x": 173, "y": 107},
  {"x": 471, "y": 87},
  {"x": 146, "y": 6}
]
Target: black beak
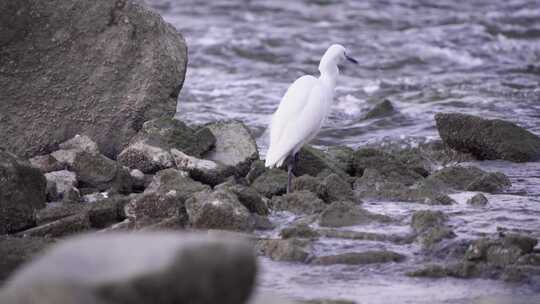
[{"x": 351, "y": 59}]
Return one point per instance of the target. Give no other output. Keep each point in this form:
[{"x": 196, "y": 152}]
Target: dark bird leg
[{"x": 291, "y": 161}]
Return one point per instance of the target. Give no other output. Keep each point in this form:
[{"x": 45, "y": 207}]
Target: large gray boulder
[
  {"x": 488, "y": 139},
  {"x": 138, "y": 268},
  {"x": 99, "y": 68},
  {"x": 22, "y": 192}
]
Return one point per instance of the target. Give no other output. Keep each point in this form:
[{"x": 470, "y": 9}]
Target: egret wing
[
  {"x": 289, "y": 109},
  {"x": 299, "y": 128}
]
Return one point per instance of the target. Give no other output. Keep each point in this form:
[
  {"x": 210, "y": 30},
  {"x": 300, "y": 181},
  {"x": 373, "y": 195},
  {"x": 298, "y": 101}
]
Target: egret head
[{"x": 335, "y": 55}]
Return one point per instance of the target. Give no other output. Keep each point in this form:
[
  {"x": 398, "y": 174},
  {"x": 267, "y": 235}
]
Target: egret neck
[{"x": 329, "y": 69}]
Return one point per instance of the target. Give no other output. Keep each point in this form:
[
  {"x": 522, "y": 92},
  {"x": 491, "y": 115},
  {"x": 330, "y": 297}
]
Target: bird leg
[{"x": 291, "y": 160}]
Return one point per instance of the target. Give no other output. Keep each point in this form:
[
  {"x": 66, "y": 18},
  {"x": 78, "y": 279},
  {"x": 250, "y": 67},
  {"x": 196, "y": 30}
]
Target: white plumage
[
  {"x": 298, "y": 118},
  {"x": 303, "y": 109}
]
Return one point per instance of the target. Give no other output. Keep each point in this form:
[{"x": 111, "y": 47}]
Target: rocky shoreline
[
  {"x": 133, "y": 206},
  {"x": 156, "y": 185}
]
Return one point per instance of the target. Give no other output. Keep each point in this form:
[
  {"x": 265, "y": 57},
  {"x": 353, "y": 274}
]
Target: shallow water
[{"x": 477, "y": 57}]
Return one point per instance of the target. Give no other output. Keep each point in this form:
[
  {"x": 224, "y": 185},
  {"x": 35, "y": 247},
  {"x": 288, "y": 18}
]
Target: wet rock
[
  {"x": 529, "y": 259},
  {"x": 65, "y": 157},
  {"x": 360, "y": 258},
  {"x": 464, "y": 270},
  {"x": 292, "y": 249},
  {"x": 438, "y": 199},
  {"x": 51, "y": 192},
  {"x": 308, "y": 183},
  {"x": 456, "y": 177},
  {"x": 94, "y": 170},
  {"x": 100, "y": 213},
  {"x": 342, "y": 214},
  {"x": 467, "y": 178},
  {"x": 22, "y": 192},
  {"x": 80, "y": 143},
  {"x": 382, "y": 109},
  {"x": 312, "y": 161},
  {"x": 249, "y": 197},
  {"x": 525, "y": 243},
  {"x": 61, "y": 227},
  {"x": 298, "y": 202},
  {"x": 478, "y": 200},
  {"x": 70, "y": 64},
  {"x": 172, "y": 179},
  {"x": 219, "y": 209},
  {"x": 46, "y": 163},
  {"x": 172, "y": 223},
  {"x": 389, "y": 168},
  {"x": 426, "y": 219},
  {"x": 503, "y": 255},
  {"x": 107, "y": 211},
  {"x": 500, "y": 252},
  {"x": 488, "y": 139},
  {"x": 220, "y": 269},
  {"x": 490, "y": 183},
  {"x": 64, "y": 181},
  {"x": 373, "y": 185},
  {"x": 262, "y": 222},
  {"x": 270, "y": 183},
  {"x": 436, "y": 235},
  {"x": 329, "y": 187},
  {"x": 169, "y": 133},
  {"x": 139, "y": 180},
  {"x": 478, "y": 249},
  {"x": 418, "y": 159},
  {"x": 299, "y": 231},
  {"x": 431, "y": 227},
  {"x": 151, "y": 207},
  {"x": 430, "y": 271},
  {"x": 453, "y": 249},
  {"x": 257, "y": 169},
  {"x": 15, "y": 251},
  {"x": 53, "y": 213},
  {"x": 150, "y": 150},
  {"x": 122, "y": 182},
  {"x": 234, "y": 147},
  {"x": 334, "y": 188},
  {"x": 369, "y": 236},
  {"x": 146, "y": 158},
  {"x": 342, "y": 156},
  {"x": 73, "y": 195},
  {"x": 202, "y": 170}
]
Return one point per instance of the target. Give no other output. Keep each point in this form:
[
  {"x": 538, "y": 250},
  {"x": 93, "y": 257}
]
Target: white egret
[{"x": 302, "y": 111}]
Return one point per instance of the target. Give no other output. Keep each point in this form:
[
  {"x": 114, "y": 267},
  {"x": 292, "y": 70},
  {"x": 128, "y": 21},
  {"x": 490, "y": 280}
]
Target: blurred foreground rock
[{"x": 137, "y": 268}]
